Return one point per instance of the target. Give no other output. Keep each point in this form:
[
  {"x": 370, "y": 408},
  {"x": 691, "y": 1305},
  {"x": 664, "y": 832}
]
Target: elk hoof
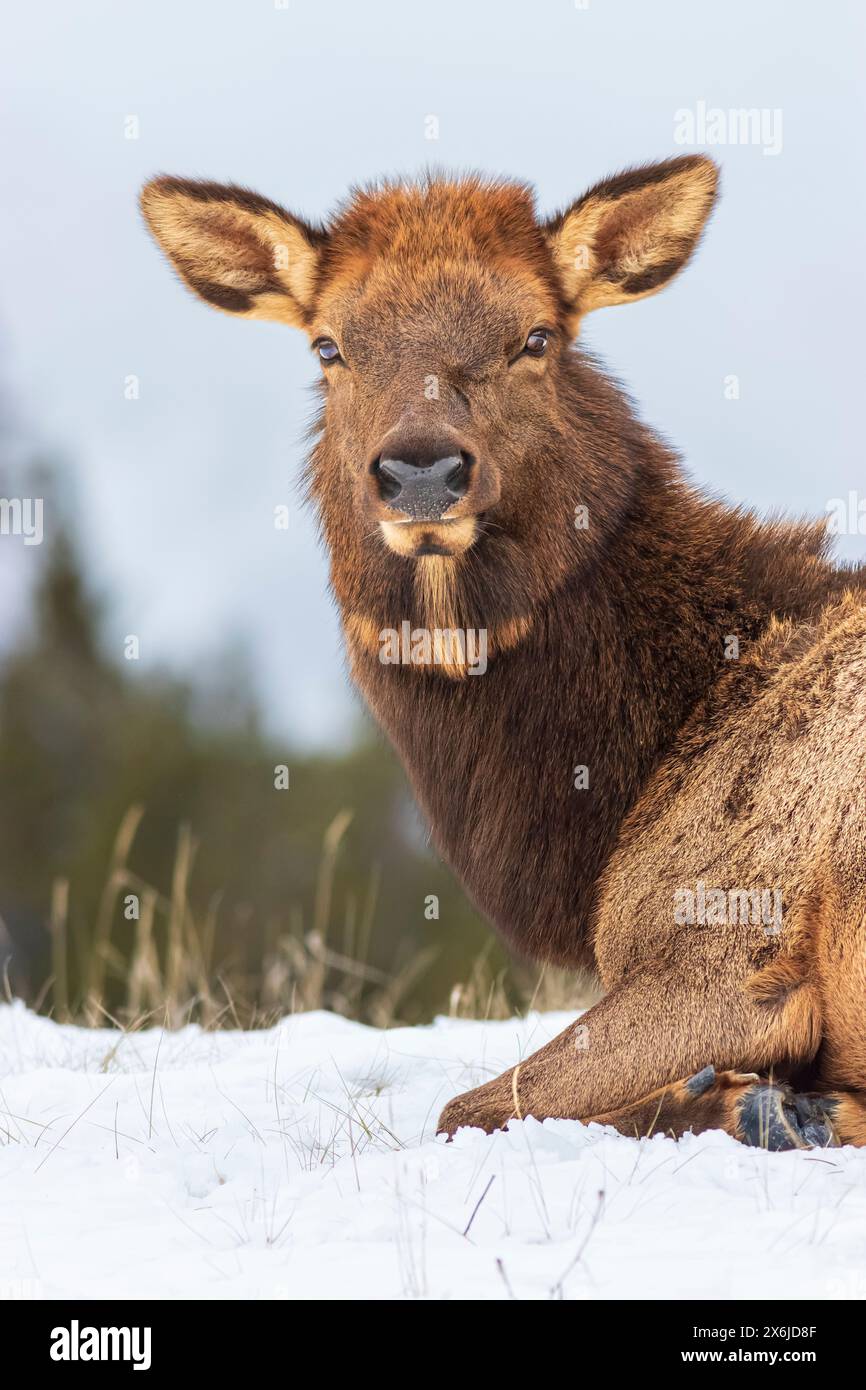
[
  {"x": 701, "y": 1082},
  {"x": 772, "y": 1117}
]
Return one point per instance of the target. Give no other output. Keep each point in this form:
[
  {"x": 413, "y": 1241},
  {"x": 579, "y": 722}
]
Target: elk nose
[{"x": 423, "y": 490}]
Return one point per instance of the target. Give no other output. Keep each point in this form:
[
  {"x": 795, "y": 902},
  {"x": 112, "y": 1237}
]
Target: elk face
[
  {"x": 438, "y": 377},
  {"x": 441, "y": 314}
]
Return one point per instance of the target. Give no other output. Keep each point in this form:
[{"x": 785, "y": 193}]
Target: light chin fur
[{"x": 408, "y": 537}]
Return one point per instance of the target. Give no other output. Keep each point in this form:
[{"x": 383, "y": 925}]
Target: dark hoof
[
  {"x": 772, "y": 1117},
  {"x": 701, "y": 1082},
  {"x": 814, "y": 1114}
]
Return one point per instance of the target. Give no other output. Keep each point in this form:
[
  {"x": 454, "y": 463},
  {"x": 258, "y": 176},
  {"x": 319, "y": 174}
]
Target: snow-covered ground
[{"x": 302, "y": 1163}]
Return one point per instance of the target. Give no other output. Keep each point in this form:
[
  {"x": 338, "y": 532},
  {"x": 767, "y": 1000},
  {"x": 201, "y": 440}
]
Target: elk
[{"x": 673, "y": 704}]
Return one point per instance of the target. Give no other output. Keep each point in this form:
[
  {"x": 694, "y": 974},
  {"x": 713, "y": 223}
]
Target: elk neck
[{"x": 607, "y": 670}]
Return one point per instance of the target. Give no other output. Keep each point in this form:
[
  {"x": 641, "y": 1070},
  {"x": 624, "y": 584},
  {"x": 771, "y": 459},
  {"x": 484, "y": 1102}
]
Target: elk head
[{"x": 459, "y": 432}]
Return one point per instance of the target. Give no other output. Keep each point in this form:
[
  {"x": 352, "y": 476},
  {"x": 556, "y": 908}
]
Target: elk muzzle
[{"x": 429, "y": 491}]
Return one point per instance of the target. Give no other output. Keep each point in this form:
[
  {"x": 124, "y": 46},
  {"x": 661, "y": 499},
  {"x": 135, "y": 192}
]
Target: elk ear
[
  {"x": 236, "y": 250},
  {"x": 629, "y": 235}
]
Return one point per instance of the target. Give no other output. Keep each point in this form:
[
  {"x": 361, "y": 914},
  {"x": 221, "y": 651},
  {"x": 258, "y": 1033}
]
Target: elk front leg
[
  {"x": 762, "y": 1112},
  {"x": 667, "y": 1021}
]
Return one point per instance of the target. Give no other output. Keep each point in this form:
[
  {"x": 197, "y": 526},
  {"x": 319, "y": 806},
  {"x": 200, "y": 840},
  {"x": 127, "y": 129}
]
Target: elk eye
[
  {"x": 327, "y": 350},
  {"x": 536, "y": 343}
]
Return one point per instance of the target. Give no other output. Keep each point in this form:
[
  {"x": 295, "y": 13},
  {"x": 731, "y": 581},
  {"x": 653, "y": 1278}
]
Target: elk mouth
[{"x": 447, "y": 536}]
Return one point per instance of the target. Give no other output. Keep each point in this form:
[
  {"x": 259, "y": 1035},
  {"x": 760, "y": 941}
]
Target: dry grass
[{"x": 165, "y": 970}]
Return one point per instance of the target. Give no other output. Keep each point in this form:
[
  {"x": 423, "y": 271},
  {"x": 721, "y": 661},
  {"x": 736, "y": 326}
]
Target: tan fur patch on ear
[
  {"x": 630, "y": 235},
  {"x": 237, "y": 251}
]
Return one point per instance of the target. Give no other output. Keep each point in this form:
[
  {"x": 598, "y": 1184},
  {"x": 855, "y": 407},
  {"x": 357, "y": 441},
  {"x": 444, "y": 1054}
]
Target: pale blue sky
[{"x": 177, "y": 489}]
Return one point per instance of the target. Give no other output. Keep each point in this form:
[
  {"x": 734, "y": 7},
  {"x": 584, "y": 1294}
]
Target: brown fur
[{"x": 607, "y": 643}]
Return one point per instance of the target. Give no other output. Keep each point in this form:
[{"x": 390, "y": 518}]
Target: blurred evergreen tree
[{"x": 83, "y": 738}]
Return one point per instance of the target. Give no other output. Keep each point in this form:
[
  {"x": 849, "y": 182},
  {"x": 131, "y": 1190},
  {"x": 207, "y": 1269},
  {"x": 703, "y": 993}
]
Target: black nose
[{"x": 423, "y": 487}]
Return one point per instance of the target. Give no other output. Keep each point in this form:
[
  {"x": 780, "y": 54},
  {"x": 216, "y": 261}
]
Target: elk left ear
[
  {"x": 631, "y": 234},
  {"x": 234, "y": 249}
]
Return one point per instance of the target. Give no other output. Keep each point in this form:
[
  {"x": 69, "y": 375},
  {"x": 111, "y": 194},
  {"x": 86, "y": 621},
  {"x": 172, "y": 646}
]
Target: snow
[{"x": 301, "y": 1162}]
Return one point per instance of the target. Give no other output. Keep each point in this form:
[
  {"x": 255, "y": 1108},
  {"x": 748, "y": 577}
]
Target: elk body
[{"x": 668, "y": 732}]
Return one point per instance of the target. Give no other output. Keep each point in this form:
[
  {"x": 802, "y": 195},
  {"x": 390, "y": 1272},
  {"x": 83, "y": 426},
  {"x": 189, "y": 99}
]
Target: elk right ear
[
  {"x": 631, "y": 234},
  {"x": 234, "y": 249}
]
